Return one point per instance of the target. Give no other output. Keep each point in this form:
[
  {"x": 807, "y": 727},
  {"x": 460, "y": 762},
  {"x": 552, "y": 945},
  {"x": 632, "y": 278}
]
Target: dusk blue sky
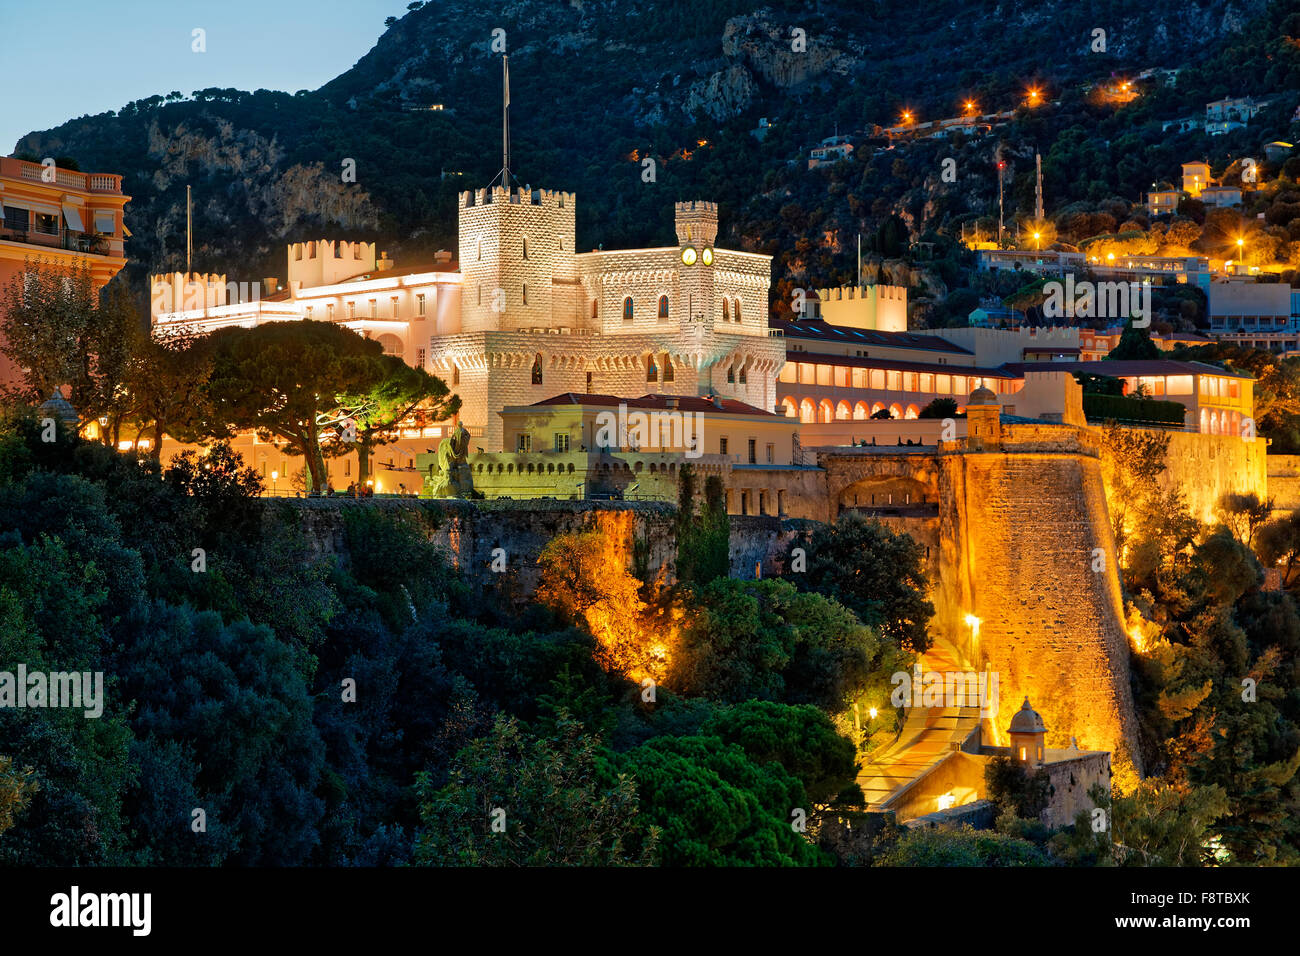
[{"x": 67, "y": 58}]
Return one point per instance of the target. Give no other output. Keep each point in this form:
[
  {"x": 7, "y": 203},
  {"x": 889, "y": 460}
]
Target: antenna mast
[{"x": 189, "y": 230}]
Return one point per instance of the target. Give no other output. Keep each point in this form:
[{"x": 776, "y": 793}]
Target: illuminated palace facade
[{"x": 525, "y": 316}]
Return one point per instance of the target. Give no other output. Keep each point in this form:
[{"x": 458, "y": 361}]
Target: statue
[{"x": 453, "y": 478}]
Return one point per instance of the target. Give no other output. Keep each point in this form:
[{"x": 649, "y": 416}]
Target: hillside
[{"x": 598, "y": 85}]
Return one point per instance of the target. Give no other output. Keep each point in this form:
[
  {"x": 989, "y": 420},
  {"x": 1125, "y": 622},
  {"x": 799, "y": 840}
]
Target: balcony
[
  {"x": 89, "y": 243},
  {"x": 11, "y": 168}
]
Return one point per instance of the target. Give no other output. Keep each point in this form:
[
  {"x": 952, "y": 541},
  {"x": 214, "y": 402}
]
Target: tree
[
  {"x": 1134, "y": 343},
  {"x": 1015, "y": 790},
  {"x": 874, "y": 572},
  {"x": 48, "y": 316},
  {"x": 376, "y": 414},
  {"x": 281, "y": 379},
  {"x": 168, "y": 387},
  {"x": 940, "y": 408},
  {"x": 1278, "y": 544},
  {"x": 515, "y": 799},
  {"x": 703, "y": 540},
  {"x": 1160, "y": 825},
  {"x": 765, "y": 640},
  {"x": 114, "y": 336},
  {"x": 16, "y": 790}
]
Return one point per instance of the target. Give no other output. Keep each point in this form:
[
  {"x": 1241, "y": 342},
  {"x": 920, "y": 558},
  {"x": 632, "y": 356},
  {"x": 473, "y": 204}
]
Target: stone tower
[
  {"x": 697, "y": 230},
  {"x": 516, "y": 246}
]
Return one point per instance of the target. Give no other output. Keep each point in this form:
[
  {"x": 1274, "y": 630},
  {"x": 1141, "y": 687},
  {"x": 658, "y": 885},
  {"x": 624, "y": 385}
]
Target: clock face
[
  {"x": 707, "y": 256},
  {"x": 688, "y": 256}
]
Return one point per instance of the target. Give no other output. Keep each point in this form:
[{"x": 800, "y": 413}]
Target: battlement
[
  {"x": 888, "y": 293},
  {"x": 320, "y": 262},
  {"x": 696, "y": 222},
  {"x": 186, "y": 291},
  {"x": 531, "y": 197}
]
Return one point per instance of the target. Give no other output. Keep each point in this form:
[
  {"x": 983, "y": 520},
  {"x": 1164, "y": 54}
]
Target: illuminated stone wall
[{"x": 1021, "y": 523}]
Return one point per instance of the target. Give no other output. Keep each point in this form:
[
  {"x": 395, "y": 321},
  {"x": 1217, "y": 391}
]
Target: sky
[{"x": 69, "y": 58}]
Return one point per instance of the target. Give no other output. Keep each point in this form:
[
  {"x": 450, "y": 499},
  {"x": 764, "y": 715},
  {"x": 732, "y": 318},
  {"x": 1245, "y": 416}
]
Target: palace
[{"x": 526, "y": 317}]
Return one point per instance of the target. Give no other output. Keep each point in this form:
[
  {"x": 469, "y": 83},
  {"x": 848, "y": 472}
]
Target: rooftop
[
  {"x": 823, "y": 331},
  {"x": 681, "y": 403}
]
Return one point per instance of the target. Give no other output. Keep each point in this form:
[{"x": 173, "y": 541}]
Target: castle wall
[
  {"x": 1203, "y": 467},
  {"x": 1017, "y": 554},
  {"x": 1284, "y": 482}
]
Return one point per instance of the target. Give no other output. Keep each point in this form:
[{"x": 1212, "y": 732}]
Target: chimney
[{"x": 269, "y": 285}]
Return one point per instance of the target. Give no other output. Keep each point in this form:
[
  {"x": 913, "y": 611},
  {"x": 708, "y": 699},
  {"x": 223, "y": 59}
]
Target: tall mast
[
  {"x": 189, "y": 230},
  {"x": 505, "y": 121}
]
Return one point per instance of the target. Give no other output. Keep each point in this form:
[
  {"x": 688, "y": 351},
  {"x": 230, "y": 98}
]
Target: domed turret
[
  {"x": 983, "y": 396},
  {"x": 1028, "y": 736}
]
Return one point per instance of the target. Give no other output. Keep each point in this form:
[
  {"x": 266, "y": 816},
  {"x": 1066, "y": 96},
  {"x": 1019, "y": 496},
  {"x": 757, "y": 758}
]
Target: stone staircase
[{"x": 929, "y": 734}]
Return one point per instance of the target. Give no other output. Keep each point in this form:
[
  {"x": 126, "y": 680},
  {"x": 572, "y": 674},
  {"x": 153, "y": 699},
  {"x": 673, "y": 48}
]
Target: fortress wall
[
  {"x": 469, "y": 532},
  {"x": 1019, "y": 557},
  {"x": 1204, "y": 467},
  {"x": 1284, "y": 481}
]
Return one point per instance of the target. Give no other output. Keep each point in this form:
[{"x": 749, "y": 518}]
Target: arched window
[
  {"x": 825, "y": 413},
  {"x": 525, "y": 247},
  {"x": 663, "y": 308},
  {"x": 860, "y": 412},
  {"x": 737, "y": 310},
  {"x": 731, "y": 375},
  {"x": 842, "y": 412},
  {"x": 807, "y": 414},
  {"x": 790, "y": 410},
  {"x": 537, "y": 370},
  {"x": 651, "y": 370},
  {"x": 726, "y": 311},
  {"x": 627, "y": 309},
  {"x": 744, "y": 373},
  {"x": 667, "y": 364},
  {"x": 525, "y": 296},
  {"x": 595, "y": 308}
]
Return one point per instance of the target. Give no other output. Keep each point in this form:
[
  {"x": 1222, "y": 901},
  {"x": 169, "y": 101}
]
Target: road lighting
[
  {"x": 1036, "y": 245},
  {"x": 274, "y": 476}
]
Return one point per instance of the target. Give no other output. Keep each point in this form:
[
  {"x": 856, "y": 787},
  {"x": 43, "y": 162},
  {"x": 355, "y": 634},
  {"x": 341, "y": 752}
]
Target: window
[
  {"x": 667, "y": 364},
  {"x": 47, "y": 225},
  {"x": 627, "y": 309},
  {"x": 419, "y": 358},
  {"x": 663, "y": 308},
  {"x": 16, "y": 218},
  {"x": 731, "y": 375},
  {"x": 737, "y": 310},
  {"x": 561, "y": 441},
  {"x": 374, "y": 309},
  {"x": 352, "y": 310},
  {"x": 524, "y": 443},
  {"x": 744, "y": 373},
  {"x": 329, "y": 312},
  {"x": 589, "y": 379},
  {"x": 722, "y": 445},
  {"x": 525, "y": 294},
  {"x": 347, "y": 467},
  {"x": 392, "y": 301},
  {"x": 310, "y": 309},
  {"x": 726, "y": 311},
  {"x": 525, "y": 247},
  {"x": 419, "y": 304},
  {"x": 753, "y": 451},
  {"x": 651, "y": 371},
  {"x": 537, "y": 370},
  {"x": 455, "y": 375},
  {"x": 771, "y": 454}
]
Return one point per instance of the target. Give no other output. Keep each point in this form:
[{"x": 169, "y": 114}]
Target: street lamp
[
  {"x": 274, "y": 477},
  {"x": 1036, "y": 245}
]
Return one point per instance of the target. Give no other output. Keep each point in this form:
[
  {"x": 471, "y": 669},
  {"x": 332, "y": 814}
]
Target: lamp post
[{"x": 274, "y": 477}]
